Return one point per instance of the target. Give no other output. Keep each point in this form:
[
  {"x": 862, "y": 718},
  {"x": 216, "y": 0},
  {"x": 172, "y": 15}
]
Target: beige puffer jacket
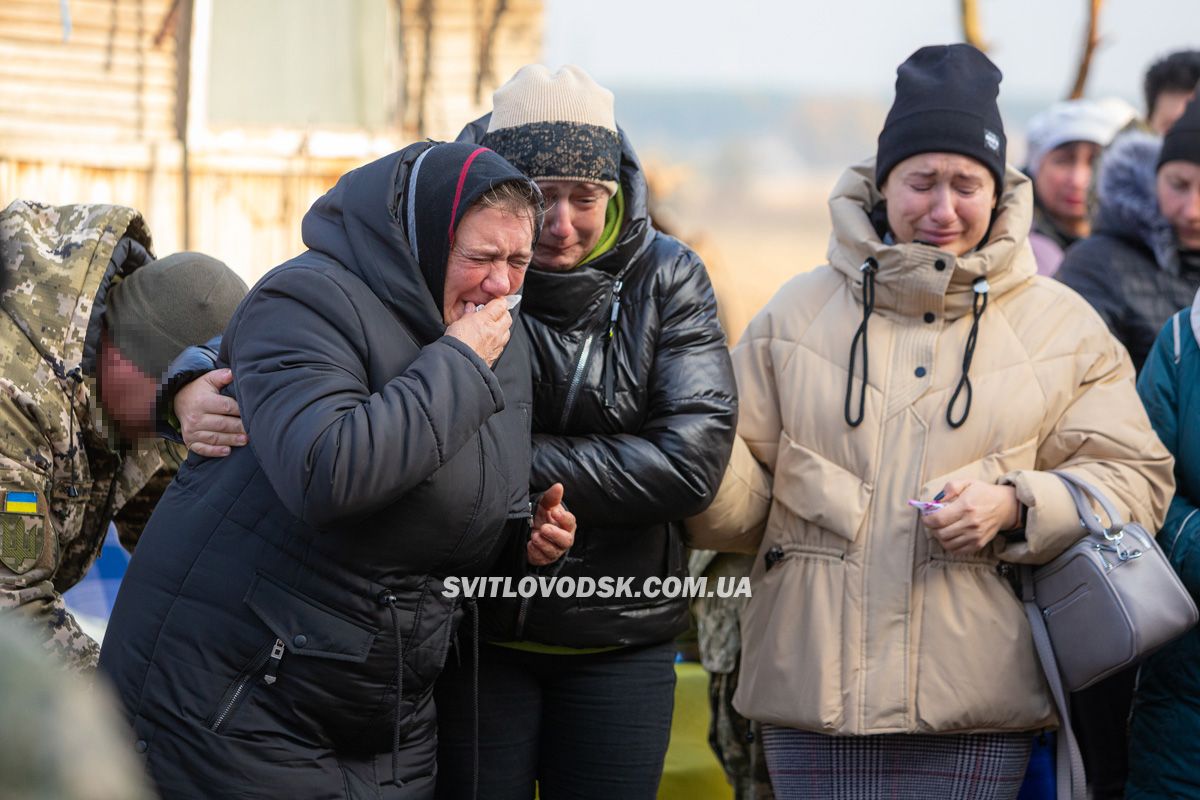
[{"x": 864, "y": 625}]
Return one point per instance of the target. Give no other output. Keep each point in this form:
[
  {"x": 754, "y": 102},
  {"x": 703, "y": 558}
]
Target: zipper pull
[
  {"x": 273, "y": 662},
  {"x": 616, "y": 308}
]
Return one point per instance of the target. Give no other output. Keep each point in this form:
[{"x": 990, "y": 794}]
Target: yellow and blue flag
[{"x": 20, "y": 502}]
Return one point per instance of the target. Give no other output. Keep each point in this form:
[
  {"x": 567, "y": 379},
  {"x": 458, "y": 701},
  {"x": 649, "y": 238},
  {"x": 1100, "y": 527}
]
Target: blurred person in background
[
  {"x": 885, "y": 651},
  {"x": 284, "y": 618},
  {"x": 735, "y": 740},
  {"x": 634, "y": 408},
  {"x": 1065, "y": 142},
  {"x": 90, "y": 322},
  {"x": 1164, "y": 736},
  {"x": 1169, "y": 84},
  {"x": 1141, "y": 265}
]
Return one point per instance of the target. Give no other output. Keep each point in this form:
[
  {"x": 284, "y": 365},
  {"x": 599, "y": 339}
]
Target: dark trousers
[
  {"x": 1100, "y": 718},
  {"x": 580, "y": 726}
]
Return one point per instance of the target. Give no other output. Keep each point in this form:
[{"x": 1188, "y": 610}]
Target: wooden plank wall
[
  {"x": 109, "y": 76},
  {"x": 450, "y": 94},
  {"x": 93, "y": 119}
]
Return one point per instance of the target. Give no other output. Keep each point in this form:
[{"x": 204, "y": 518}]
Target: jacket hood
[
  {"x": 1128, "y": 197},
  {"x": 60, "y": 262},
  {"x": 391, "y": 223},
  {"x": 558, "y": 298},
  {"x": 1005, "y": 259}
]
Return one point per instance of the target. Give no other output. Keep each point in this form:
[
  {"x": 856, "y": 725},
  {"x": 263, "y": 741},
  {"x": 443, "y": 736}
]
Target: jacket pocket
[
  {"x": 977, "y": 668},
  {"x": 815, "y": 489},
  {"x": 307, "y": 627},
  {"x": 793, "y": 637},
  {"x": 257, "y": 670}
]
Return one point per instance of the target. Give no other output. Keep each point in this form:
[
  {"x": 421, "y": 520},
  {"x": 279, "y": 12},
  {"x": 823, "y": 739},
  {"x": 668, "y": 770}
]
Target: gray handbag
[{"x": 1105, "y": 603}]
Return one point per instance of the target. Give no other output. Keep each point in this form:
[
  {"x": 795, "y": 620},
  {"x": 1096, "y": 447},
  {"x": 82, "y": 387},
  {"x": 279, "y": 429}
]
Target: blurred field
[{"x": 753, "y": 237}]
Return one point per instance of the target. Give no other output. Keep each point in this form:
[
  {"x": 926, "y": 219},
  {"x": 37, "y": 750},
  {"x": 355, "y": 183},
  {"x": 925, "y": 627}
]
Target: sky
[{"x": 854, "y": 46}]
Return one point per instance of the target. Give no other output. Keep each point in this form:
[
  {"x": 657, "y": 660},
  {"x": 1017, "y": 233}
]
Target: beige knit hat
[{"x": 556, "y": 126}]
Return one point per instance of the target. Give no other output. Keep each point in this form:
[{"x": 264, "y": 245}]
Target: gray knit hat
[
  {"x": 168, "y": 305},
  {"x": 556, "y": 126}
]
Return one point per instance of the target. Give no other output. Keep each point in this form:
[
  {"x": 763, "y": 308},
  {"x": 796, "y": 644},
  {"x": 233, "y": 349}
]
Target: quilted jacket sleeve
[
  {"x": 671, "y": 466},
  {"x": 737, "y": 518},
  {"x": 333, "y": 449},
  {"x": 1102, "y": 434}
]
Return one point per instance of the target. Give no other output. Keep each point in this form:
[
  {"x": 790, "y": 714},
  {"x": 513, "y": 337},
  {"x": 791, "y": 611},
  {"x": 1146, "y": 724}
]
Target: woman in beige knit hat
[{"x": 633, "y": 410}]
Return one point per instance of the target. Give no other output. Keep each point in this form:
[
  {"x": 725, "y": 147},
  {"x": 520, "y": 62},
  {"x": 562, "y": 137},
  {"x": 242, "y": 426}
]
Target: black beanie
[
  {"x": 1182, "y": 142},
  {"x": 945, "y": 103}
]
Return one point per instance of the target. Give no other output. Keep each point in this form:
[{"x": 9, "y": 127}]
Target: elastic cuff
[
  {"x": 1051, "y": 524},
  {"x": 485, "y": 372}
]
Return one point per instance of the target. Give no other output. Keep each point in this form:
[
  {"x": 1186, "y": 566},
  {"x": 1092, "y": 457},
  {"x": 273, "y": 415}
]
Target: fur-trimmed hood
[{"x": 1128, "y": 205}]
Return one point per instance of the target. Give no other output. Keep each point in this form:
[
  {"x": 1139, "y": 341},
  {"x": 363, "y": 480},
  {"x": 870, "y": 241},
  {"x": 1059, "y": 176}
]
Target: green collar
[{"x": 613, "y": 215}]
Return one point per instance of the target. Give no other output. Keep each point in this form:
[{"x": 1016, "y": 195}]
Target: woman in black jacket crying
[
  {"x": 634, "y": 410},
  {"x": 279, "y": 630}
]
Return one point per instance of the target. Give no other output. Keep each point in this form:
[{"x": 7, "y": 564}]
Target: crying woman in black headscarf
[{"x": 289, "y": 606}]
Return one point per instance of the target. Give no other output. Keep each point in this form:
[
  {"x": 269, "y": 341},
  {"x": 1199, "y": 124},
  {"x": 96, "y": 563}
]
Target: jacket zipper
[
  {"x": 610, "y": 396},
  {"x": 271, "y": 652},
  {"x": 576, "y": 379},
  {"x": 585, "y": 351}
]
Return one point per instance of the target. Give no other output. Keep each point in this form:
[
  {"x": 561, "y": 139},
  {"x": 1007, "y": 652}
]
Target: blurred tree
[
  {"x": 973, "y": 35},
  {"x": 972, "y": 31},
  {"x": 1089, "y": 48}
]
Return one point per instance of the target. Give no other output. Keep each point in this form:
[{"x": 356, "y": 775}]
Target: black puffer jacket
[
  {"x": 637, "y": 426},
  {"x": 1130, "y": 268},
  {"x": 255, "y": 639}
]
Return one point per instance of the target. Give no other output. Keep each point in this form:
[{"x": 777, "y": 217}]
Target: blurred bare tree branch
[
  {"x": 1089, "y": 48},
  {"x": 972, "y": 31}
]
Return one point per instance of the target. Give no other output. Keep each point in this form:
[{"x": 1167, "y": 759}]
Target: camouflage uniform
[
  {"x": 735, "y": 739},
  {"x": 62, "y": 475}
]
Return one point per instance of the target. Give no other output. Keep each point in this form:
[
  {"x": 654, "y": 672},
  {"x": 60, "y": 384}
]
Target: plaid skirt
[{"x": 989, "y": 766}]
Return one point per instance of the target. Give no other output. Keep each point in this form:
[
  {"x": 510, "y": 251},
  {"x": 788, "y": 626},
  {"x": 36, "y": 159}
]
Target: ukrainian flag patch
[{"x": 20, "y": 502}]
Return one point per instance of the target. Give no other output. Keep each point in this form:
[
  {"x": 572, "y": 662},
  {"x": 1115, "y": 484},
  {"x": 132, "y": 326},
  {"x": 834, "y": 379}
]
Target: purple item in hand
[{"x": 924, "y": 507}]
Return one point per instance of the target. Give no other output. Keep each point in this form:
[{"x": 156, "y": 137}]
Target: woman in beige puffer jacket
[{"x": 868, "y": 619}]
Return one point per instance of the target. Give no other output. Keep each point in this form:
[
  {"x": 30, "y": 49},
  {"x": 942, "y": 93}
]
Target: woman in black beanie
[{"x": 884, "y": 650}]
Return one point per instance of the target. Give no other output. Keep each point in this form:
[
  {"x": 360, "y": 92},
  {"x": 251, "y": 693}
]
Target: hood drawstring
[
  {"x": 474, "y": 610},
  {"x": 978, "y": 305},
  {"x": 868, "y": 270},
  {"x": 388, "y": 599}
]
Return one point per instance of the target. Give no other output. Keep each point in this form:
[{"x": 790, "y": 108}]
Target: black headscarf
[{"x": 443, "y": 183}]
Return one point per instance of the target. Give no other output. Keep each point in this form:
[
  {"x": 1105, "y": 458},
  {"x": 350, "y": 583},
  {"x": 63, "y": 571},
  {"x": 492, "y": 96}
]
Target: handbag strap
[
  {"x": 1086, "y": 515},
  {"x": 1070, "y": 779}
]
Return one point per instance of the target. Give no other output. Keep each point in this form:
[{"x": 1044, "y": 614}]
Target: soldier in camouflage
[
  {"x": 734, "y": 739},
  {"x": 74, "y": 456}
]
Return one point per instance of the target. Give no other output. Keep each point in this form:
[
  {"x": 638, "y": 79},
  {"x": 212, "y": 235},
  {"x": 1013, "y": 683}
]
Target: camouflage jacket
[
  {"x": 62, "y": 477},
  {"x": 718, "y": 618}
]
